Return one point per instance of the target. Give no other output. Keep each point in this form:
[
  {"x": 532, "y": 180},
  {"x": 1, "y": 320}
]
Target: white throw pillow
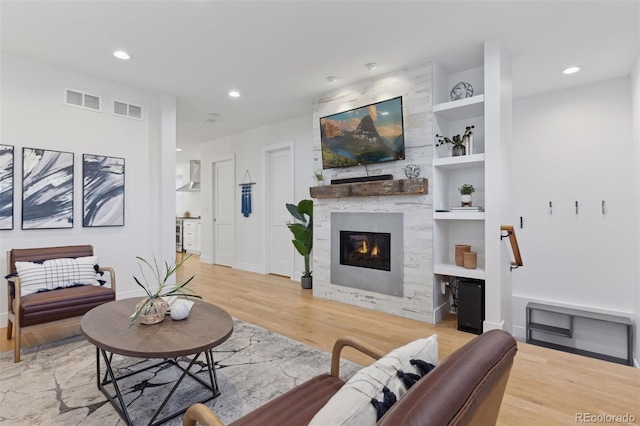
[
  {"x": 351, "y": 405},
  {"x": 55, "y": 273}
]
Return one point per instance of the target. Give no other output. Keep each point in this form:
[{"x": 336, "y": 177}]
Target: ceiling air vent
[
  {"x": 127, "y": 110},
  {"x": 79, "y": 99}
]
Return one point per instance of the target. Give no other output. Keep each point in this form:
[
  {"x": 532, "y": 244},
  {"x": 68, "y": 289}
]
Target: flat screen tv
[{"x": 369, "y": 134}]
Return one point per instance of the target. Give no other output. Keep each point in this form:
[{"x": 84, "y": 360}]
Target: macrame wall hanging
[{"x": 246, "y": 194}]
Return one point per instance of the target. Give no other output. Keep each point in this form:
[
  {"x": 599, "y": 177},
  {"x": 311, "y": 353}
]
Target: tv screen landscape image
[{"x": 369, "y": 134}]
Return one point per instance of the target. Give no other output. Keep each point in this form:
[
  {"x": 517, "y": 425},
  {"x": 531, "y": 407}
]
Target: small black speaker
[{"x": 470, "y": 305}]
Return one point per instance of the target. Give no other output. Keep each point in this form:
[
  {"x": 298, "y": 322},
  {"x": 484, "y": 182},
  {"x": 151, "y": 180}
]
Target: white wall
[
  {"x": 33, "y": 115},
  {"x": 576, "y": 145},
  {"x": 247, "y": 149}
]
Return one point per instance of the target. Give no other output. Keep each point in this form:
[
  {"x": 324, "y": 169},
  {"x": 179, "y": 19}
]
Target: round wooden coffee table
[{"x": 107, "y": 327}]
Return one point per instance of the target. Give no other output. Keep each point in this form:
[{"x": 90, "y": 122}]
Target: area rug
[{"x": 55, "y": 384}]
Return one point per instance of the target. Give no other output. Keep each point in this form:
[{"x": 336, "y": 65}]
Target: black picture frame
[
  {"x": 103, "y": 188},
  {"x": 47, "y": 189},
  {"x": 7, "y": 161}
]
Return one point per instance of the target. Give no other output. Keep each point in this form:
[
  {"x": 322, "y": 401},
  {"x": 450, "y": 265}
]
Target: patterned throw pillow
[
  {"x": 351, "y": 405},
  {"x": 56, "y": 273}
]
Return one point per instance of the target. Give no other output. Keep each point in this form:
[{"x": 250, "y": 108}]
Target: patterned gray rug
[{"x": 55, "y": 384}]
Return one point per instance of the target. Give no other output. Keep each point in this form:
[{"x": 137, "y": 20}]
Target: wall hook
[
  {"x": 550, "y": 207},
  {"x": 576, "y": 207},
  {"x": 604, "y": 211}
]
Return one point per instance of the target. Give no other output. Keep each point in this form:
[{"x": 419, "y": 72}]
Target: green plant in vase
[
  {"x": 319, "y": 176},
  {"x": 303, "y": 235},
  {"x": 153, "y": 308},
  {"x": 458, "y": 142},
  {"x": 465, "y": 194}
]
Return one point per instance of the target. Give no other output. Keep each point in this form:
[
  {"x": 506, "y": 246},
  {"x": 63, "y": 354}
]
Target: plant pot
[
  {"x": 465, "y": 200},
  {"x": 307, "y": 282},
  {"x": 154, "y": 312},
  {"x": 470, "y": 260},
  {"x": 458, "y": 150},
  {"x": 460, "y": 249}
]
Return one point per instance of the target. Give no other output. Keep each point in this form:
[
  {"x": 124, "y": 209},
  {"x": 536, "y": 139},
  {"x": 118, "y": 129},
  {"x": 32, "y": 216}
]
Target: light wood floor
[{"x": 545, "y": 387}]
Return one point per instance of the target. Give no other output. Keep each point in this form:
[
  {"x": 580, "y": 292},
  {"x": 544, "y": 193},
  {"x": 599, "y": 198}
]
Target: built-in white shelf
[
  {"x": 461, "y": 109},
  {"x": 459, "y": 162},
  {"x": 458, "y": 215},
  {"x": 458, "y": 271}
]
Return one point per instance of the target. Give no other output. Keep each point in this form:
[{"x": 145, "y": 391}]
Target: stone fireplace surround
[{"x": 414, "y": 85}]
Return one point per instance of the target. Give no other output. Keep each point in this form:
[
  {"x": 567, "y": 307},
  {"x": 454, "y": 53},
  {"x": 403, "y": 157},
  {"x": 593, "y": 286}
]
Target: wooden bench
[{"x": 33, "y": 310}]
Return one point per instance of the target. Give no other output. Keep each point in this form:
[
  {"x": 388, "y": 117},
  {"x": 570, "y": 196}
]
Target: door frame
[
  {"x": 266, "y": 201},
  {"x": 231, "y": 158}
]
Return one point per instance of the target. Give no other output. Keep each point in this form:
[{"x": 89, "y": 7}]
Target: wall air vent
[
  {"x": 124, "y": 109},
  {"x": 79, "y": 99}
]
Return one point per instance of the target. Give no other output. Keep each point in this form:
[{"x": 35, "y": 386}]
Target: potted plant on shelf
[
  {"x": 303, "y": 235},
  {"x": 458, "y": 142},
  {"x": 465, "y": 194},
  {"x": 319, "y": 176},
  {"x": 153, "y": 308}
]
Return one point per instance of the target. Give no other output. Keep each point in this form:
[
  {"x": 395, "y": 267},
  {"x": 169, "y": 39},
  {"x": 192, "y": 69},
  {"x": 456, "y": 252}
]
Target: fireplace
[{"x": 367, "y": 251}]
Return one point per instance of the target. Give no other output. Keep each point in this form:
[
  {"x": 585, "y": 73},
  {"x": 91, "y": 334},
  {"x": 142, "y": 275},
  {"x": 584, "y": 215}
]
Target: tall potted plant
[{"x": 303, "y": 235}]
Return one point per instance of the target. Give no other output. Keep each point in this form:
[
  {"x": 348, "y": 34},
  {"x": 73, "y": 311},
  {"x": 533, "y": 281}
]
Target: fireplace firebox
[
  {"x": 366, "y": 249},
  {"x": 361, "y": 251}
]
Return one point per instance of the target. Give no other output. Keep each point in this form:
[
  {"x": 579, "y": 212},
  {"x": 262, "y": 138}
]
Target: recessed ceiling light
[
  {"x": 332, "y": 79},
  {"x": 571, "y": 70},
  {"x": 371, "y": 66},
  {"x": 179, "y": 149},
  {"x": 384, "y": 113},
  {"x": 121, "y": 54},
  {"x": 234, "y": 94}
]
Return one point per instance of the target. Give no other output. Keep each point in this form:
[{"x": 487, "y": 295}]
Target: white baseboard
[
  {"x": 439, "y": 311},
  {"x": 250, "y": 267},
  {"x": 4, "y": 317},
  {"x": 488, "y": 326},
  {"x": 520, "y": 333}
]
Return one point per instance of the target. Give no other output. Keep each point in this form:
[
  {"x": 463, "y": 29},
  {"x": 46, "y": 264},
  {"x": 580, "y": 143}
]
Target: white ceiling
[{"x": 278, "y": 53}]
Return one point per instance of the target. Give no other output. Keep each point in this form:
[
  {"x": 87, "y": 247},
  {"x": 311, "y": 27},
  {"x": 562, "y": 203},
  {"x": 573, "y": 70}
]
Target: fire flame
[{"x": 363, "y": 248}]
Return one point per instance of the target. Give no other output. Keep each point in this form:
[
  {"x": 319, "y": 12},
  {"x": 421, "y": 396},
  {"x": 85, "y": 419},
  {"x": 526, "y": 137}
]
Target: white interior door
[
  {"x": 223, "y": 213},
  {"x": 280, "y": 192}
]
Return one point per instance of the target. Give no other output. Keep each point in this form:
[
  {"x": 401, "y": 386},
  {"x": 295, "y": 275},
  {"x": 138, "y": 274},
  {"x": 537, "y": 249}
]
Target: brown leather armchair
[{"x": 466, "y": 388}]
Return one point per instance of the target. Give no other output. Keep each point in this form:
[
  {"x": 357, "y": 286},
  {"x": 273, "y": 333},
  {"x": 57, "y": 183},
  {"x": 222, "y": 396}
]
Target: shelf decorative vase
[
  {"x": 465, "y": 200},
  {"x": 458, "y": 150},
  {"x": 468, "y": 143},
  {"x": 154, "y": 312},
  {"x": 460, "y": 250},
  {"x": 470, "y": 260}
]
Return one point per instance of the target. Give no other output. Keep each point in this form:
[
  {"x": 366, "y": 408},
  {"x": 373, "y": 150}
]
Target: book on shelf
[{"x": 468, "y": 209}]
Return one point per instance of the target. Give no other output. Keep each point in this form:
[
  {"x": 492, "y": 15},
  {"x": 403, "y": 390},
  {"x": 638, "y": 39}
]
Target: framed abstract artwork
[
  {"x": 6, "y": 187},
  {"x": 47, "y": 189},
  {"x": 102, "y": 191}
]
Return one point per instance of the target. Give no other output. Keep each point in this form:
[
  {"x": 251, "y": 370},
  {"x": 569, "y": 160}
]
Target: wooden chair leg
[
  {"x": 16, "y": 347},
  {"x": 9, "y": 329}
]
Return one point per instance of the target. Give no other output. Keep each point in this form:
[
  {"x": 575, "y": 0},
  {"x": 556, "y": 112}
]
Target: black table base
[{"x": 117, "y": 400}]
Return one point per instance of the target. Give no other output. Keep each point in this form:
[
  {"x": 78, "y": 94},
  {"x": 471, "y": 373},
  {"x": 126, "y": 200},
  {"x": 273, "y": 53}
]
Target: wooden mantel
[{"x": 369, "y": 189}]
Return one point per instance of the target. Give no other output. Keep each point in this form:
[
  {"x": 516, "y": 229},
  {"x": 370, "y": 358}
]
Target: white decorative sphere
[{"x": 179, "y": 310}]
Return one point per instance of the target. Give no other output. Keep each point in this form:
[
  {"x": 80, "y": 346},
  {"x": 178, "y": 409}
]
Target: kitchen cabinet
[{"x": 191, "y": 235}]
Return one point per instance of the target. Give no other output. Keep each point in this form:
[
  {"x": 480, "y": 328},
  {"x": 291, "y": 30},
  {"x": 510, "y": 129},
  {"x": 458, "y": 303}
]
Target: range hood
[{"x": 194, "y": 178}]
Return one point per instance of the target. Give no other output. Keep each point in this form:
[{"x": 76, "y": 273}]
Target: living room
[{"x": 578, "y": 229}]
